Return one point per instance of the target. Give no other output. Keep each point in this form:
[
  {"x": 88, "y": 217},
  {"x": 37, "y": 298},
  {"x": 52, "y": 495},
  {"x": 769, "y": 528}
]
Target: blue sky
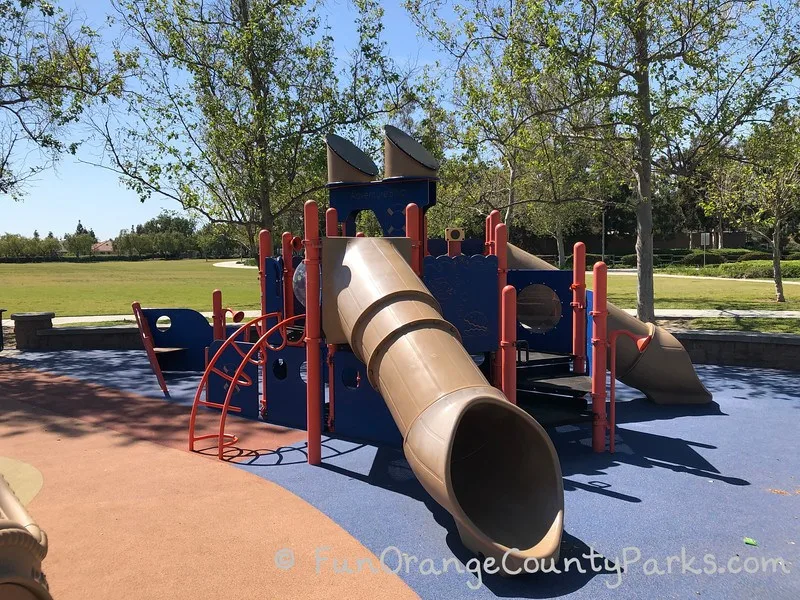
[{"x": 73, "y": 191}]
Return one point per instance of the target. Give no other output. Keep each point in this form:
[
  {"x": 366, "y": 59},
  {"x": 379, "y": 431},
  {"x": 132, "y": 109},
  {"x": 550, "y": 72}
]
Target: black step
[
  {"x": 567, "y": 384},
  {"x": 551, "y": 410},
  {"x": 540, "y": 364}
]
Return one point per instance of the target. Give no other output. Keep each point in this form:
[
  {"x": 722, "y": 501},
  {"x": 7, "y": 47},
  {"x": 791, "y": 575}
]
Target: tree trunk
[
  {"x": 645, "y": 301},
  {"x": 562, "y": 260},
  {"x": 720, "y": 233},
  {"x": 776, "y": 262},
  {"x": 512, "y": 180}
]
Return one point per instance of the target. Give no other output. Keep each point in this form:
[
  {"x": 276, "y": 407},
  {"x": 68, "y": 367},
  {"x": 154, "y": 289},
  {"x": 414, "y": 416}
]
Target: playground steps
[{"x": 548, "y": 390}]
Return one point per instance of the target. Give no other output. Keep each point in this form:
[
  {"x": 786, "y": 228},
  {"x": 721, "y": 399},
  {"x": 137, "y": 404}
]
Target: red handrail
[
  {"x": 147, "y": 341},
  {"x": 237, "y": 379},
  {"x": 599, "y": 365}
]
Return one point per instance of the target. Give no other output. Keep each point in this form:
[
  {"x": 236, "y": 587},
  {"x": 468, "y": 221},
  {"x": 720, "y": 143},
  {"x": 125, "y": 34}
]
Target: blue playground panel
[
  {"x": 469, "y": 247},
  {"x": 466, "y": 289},
  {"x": 244, "y": 397},
  {"x": 188, "y": 329},
  {"x": 559, "y": 339},
  {"x": 286, "y": 388},
  {"x": 387, "y": 199},
  {"x": 359, "y": 411}
]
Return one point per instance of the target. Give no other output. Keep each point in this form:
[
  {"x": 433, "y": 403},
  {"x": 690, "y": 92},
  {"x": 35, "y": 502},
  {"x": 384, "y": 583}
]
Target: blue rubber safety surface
[{"x": 686, "y": 485}]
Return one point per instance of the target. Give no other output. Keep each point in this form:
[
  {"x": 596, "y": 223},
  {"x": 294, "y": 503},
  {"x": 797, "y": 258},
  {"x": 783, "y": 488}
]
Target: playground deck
[{"x": 130, "y": 512}]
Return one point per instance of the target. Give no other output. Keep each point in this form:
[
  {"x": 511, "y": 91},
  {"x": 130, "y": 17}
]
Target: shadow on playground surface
[{"x": 691, "y": 480}]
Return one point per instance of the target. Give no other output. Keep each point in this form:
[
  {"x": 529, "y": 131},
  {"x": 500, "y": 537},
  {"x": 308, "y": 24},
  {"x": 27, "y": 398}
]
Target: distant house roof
[{"x": 106, "y": 246}]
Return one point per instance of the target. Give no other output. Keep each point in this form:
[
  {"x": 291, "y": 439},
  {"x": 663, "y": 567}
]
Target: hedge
[
  {"x": 698, "y": 260},
  {"x": 756, "y": 255},
  {"x": 758, "y": 269}
]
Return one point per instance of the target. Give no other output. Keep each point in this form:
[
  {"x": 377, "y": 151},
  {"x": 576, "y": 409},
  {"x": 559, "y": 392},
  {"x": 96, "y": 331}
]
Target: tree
[
  {"x": 79, "y": 244},
  {"x": 168, "y": 221},
  {"x": 234, "y": 98},
  {"x": 661, "y": 72},
  {"x": 49, "y": 74},
  {"x": 762, "y": 192}
]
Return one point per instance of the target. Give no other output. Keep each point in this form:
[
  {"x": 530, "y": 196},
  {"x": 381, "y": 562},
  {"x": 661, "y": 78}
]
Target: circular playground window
[
  {"x": 538, "y": 308},
  {"x": 163, "y": 323}
]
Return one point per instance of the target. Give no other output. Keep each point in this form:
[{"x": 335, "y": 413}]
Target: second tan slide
[
  {"x": 663, "y": 372},
  {"x": 487, "y": 462}
]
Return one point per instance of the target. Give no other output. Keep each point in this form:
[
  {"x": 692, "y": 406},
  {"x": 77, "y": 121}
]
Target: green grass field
[
  {"x": 672, "y": 292},
  {"x": 71, "y": 289},
  {"x": 108, "y": 288}
]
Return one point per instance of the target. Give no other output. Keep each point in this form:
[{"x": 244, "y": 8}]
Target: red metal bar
[
  {"x": 579, "y": 307},
  {"x": 313, "y": 340},
  {"x": 264, "y": 252},
  {"x": 501, "y": 249},
  {"x": 508, "y": 340},
  {"x": 147, "y": 342},
  {"x": 218, "y": 315},
  {"x": 239, "y": 377},
  {"x": 413, "y": 233},
  {"x": 288, "y": 273},
  {"x": 599, "y": 345},
  {"x": 331, "y": 223},
  {"x": 493, "y": 221}
]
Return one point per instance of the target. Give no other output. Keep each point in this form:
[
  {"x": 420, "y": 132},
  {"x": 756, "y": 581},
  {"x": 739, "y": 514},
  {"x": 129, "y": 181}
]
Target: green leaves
[{"x": 49, "y": 74}]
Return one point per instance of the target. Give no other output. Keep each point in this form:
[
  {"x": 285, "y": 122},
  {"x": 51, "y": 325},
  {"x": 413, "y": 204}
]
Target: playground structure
[{"x": 460, "y": 350}]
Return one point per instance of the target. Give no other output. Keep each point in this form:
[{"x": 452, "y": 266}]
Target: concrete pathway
[{"x": 232, "y": 264}]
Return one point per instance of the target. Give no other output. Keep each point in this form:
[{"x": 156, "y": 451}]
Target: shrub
[
  {"x": 629, "y": 260},
  {"x": 731, "y": 254},
  {"x": 759, "y": 269},
  {"x": 590, "y": 260},
  {"x": 696, "y": 259},
  {"x": 793, "y": 256},
  {"x": 754, "y": 255}
]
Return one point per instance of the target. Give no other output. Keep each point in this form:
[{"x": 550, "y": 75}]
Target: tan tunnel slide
[
  {"x": 23, "y": 546},
  {"x": 663, "y": 372},
  {"x": 487, "y": 462}
]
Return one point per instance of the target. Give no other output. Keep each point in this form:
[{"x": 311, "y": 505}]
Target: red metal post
[
  {"x": 579, "y": 307},
  {"x": 492, "y": 221},
  {"x": 313, "y": 338},
  {"x": 288, "y": 274},
  {"x": 599, "y": 345},
  {"x": 218, "y": 315},
  {"x": 508, "y": 340},
  {"x": 413, "y": 233},
  {"x": 331, "y": 223},
  {"x": 501, "y": 249}
]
